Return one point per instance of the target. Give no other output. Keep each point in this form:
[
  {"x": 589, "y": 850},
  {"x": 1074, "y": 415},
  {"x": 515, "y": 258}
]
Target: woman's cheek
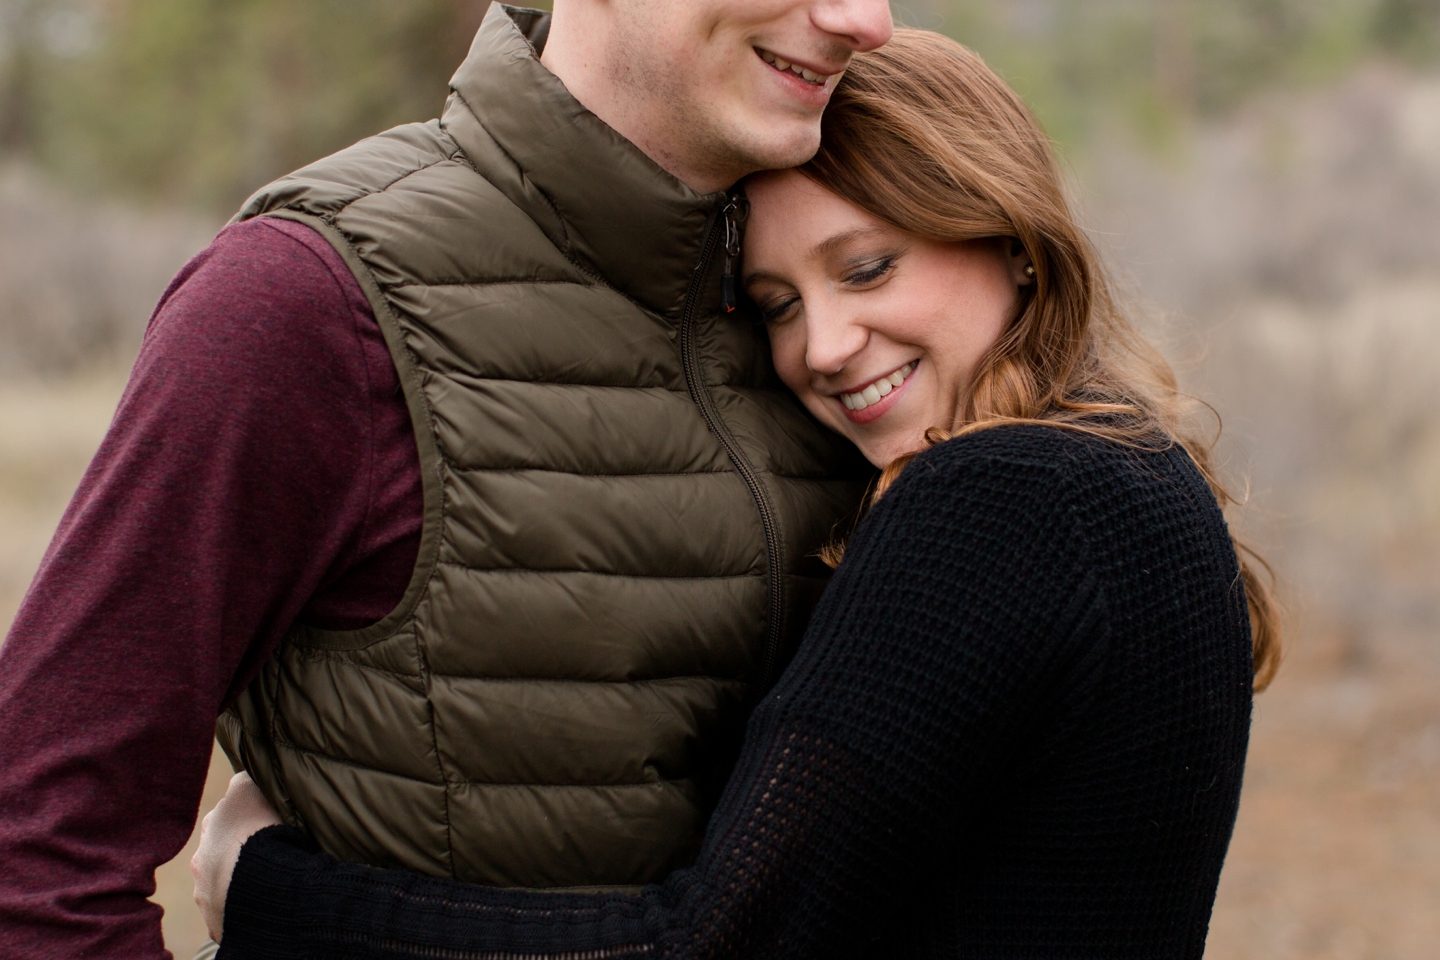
[{"x": 787, "y": 352}]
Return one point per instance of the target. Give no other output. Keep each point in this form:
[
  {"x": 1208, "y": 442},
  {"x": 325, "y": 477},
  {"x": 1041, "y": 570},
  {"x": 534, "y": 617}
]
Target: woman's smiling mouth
[{"x": 875, "y": 398}]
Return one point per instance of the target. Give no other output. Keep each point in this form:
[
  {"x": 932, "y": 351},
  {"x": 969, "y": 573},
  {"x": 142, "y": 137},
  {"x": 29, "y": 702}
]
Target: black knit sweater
[{"x": 1016, "y": 728}]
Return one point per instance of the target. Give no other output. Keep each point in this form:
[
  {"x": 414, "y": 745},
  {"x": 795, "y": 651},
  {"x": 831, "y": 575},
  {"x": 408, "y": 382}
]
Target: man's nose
[{"x": 859, "y": 24}]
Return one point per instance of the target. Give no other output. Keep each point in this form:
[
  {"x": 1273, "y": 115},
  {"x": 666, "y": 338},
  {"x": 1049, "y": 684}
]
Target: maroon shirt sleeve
[{"x": 260, "y": 469}]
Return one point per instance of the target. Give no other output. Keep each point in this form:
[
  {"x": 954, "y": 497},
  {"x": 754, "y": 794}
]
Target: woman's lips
[{"x": 879, "y": 407}]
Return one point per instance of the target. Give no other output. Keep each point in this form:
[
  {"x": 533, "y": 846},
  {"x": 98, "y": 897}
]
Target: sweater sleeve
[
  {"x": 237, "y": 482},
  {"x": 929, "y": 655}
]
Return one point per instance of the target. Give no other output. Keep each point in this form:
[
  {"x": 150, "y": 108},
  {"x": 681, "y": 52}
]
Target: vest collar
[{"x": 624, "y": 218}]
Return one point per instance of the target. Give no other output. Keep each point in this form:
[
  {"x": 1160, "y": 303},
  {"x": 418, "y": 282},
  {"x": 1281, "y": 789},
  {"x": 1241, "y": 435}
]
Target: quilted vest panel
[{"x": 621, "y": 504}]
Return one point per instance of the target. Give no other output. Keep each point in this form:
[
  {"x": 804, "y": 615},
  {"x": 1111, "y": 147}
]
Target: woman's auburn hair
[{"x": 924, "y": 136}]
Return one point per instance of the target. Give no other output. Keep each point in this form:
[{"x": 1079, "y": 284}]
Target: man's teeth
[
  {"x": 794, "y": 68},
  {"x": 861, "y": 399}
]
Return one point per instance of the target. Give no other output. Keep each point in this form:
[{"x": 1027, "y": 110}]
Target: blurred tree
[
  {"x": 1410, "y": 27},
  {"x": 18, "y": 81},
  {"x": 1157, "y": 63},
  {"x": 201, "y": 101}
]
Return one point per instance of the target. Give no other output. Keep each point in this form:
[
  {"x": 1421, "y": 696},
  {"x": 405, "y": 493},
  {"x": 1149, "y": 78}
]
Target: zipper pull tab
[{"x": 737, "y": 209}]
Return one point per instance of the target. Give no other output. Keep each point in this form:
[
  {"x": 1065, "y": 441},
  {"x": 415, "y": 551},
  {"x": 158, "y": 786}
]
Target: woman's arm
[{"x": 924, "y": 663}]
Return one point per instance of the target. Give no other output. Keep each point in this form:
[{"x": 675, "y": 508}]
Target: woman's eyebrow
[
  {"x": 750, "y": 279},
  {"x": 832, "y": 243},
  {"x": 821, "y": 250}
]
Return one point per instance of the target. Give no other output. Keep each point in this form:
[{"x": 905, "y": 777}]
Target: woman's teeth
[
  {"x": 861, "y": 399},
  {"x": 799, "y": 71}
]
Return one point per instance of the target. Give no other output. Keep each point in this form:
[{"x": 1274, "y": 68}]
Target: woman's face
[{"x": 878, "y": 331}]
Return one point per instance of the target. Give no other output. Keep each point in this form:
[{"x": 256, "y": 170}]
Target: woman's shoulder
[
  {"x": 1072, "y": 478},
  {"x": 1121, "y": 498},
  {"x": 1076, "y": 460},
  {"x": 1006, "y": 480}
]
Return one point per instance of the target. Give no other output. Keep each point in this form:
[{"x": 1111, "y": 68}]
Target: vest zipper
[
  {"x": 737, "y": 209},
  {"x": 730, "y": 219}
]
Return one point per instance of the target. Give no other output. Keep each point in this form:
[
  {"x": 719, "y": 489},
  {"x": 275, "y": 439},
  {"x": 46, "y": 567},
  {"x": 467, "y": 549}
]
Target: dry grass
[
  {"x": 48, "y": 433},
  {"x": 78, "y": 278},
  {"x": 1336, "y": 854}
]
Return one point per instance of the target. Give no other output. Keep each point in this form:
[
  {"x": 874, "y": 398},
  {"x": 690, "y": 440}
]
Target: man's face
[{"x": 723, "y": 88}]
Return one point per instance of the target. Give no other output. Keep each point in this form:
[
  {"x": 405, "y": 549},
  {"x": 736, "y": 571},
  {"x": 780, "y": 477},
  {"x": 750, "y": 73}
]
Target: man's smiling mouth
[{"x": 785, "y": 66}]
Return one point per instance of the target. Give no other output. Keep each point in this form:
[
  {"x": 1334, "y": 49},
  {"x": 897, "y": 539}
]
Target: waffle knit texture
[{"x": 1016, "y": 728}]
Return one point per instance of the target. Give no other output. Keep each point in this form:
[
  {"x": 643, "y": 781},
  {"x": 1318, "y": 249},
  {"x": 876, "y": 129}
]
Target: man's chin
[
  {"x": 771, "y": 152},
  {"x": 757, "y": 141}
]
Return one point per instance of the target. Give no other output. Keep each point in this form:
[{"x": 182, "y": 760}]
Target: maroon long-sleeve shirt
[{"x": 261, "y": 469}]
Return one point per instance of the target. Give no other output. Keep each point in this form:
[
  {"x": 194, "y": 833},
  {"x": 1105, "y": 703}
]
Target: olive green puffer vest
[{"x": 621, "y": 504}]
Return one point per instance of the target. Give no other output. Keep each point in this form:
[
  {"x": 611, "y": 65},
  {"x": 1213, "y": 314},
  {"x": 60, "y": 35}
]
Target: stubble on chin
[{"x": 694, "y": 130}]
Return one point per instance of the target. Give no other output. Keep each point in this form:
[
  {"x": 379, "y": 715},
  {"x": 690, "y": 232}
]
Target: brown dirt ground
[{"x": 1337, "y": 850}]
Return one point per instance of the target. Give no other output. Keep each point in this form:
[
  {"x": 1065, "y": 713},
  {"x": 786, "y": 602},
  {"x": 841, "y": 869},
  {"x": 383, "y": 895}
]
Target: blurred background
[{"x": 1264, "y": 176}]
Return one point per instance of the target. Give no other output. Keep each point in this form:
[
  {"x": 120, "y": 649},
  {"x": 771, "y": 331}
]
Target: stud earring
[{"x": 1030, "y": 270}]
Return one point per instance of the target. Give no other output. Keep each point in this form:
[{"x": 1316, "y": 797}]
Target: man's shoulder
[
  {"x": 416, "y": 208},
  {"x": 369, "y": 166},
  {"x": 264, "y": 295},
  {"x": 260, "y": 271},
  {"x": 281, "y": 246}
]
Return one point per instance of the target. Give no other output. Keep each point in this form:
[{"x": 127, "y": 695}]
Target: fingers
[
  {"x": 240, "y": 813},
  {"x": 244, "y": 803}
]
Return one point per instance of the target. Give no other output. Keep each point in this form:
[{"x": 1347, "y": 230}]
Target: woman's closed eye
[
  {"x": 858, "y": 275},
  {"x": 870, "y": 271},
  {"x": 778, "y": 308}
]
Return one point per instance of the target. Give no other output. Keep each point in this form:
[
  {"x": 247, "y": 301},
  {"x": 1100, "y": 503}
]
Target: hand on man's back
[{"x": 243, "y": 811}]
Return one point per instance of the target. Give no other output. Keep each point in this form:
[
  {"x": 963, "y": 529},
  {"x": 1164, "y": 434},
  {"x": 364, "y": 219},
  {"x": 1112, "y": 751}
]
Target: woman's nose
[{"x": 831, "y": 341}]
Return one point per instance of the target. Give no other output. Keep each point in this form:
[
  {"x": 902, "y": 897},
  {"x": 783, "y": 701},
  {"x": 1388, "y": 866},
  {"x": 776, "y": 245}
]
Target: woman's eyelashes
[
  {"x": 775, "y": 310},
  {"x": 870, "y": 271},
  {"x": 860, "y": 275}
]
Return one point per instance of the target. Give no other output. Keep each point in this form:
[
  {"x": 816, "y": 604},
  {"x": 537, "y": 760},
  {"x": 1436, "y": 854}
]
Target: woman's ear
[{"x": 1022, "y": 268}]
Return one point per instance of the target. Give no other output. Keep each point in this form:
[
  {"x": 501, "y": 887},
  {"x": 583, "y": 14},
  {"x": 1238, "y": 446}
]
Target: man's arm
[{"x": 260, "y": 469}]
